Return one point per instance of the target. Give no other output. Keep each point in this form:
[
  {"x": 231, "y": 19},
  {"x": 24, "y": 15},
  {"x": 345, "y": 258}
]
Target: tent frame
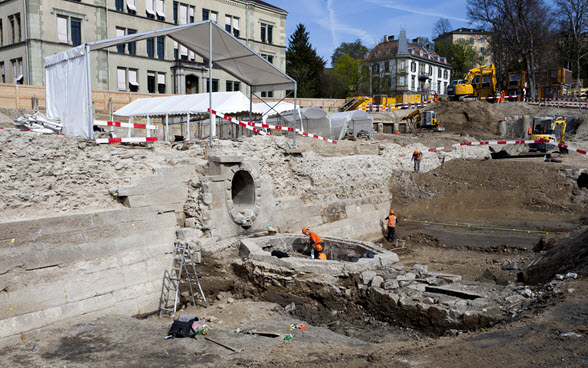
[{"x": 101, "y": 44}]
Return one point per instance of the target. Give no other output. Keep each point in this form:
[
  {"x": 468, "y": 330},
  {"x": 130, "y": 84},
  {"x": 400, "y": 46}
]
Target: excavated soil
[{"x": 465, "y": 215}]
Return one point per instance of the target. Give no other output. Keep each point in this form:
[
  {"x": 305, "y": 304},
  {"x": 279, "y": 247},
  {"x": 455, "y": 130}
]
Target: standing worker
[
  {"x": 317, "y": 244},
  {"x": 530, "y": 131},
  {"x": 416, "y": 157},
  {"x": 391, "y": 226}
]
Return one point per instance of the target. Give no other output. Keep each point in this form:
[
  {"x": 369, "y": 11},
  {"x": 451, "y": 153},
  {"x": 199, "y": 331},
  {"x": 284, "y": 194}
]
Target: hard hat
[
  {"x": 391, "y": 212},
  {"x": 304, "y": 230},
  {"x": 415, "y": 152}
]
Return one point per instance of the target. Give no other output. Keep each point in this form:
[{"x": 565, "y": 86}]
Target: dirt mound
[
  {"x": 568, "y": 254},
  {"x": 475, "y": 118}
]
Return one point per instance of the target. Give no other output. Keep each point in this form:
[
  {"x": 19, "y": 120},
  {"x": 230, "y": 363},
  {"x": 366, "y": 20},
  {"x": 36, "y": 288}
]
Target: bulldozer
[
  {"x": 551, "y": 129},
  {"x": 424, "y": 120},
  {"x": 479, "y": 83}
]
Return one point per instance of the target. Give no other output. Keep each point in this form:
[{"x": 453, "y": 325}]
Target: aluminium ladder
[{"x": 182, "y": 264}]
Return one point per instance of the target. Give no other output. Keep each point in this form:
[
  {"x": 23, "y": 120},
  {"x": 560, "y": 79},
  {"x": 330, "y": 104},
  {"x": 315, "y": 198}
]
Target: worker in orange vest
[
  {"x": 530, "y": 131},
  {"x": 416, "y": 157},
  {"x": 391, "y": 226},
  {"x": 317, "y": 244}
]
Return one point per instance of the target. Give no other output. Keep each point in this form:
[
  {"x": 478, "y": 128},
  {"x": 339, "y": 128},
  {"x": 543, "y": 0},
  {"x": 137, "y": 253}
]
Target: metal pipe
[
  {"x": 295, "y": 113},
  {"x": 250, "y": 104},
  {"x": 210, "y": 78}
]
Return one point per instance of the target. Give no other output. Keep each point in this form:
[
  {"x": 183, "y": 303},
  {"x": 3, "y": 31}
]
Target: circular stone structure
[{"x": 242, "y": 195}]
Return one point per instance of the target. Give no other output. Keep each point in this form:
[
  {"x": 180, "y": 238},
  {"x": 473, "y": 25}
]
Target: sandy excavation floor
[{"x": 469, "y": 217}]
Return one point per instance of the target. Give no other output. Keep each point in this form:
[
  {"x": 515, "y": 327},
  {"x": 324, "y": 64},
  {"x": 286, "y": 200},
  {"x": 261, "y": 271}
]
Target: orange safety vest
[
  {"x": 417, "y": 156},
  {"x": 391, "y": 221},
  {"x": 530, "y": 131},
  {"x": 316, "y": 240}
]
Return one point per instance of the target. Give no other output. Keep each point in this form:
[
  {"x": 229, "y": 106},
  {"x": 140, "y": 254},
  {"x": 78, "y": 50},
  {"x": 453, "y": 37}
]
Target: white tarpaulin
[
  {"x": 228, "y": 53},
  {"x": 68, "y": 95},
  {"x": 223, "y": 102},
  {"x": 270, "y": 109},
  {"x": 314, "y": 121},
  {"x": 351, "y": 123}
]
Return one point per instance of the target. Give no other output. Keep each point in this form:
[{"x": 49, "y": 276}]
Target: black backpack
[{"x": 182, "y": 328}]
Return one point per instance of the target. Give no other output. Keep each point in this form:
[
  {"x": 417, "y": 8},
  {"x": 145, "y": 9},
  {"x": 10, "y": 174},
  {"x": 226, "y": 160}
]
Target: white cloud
[
  {"x": 332, "y": 21},
  {"x": 417, "y": 11}
]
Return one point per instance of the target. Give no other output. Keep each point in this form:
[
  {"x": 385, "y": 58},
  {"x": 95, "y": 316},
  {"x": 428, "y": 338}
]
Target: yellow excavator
[
  {"x": 478, "y": 83},
  {"x": 551, "y": 129},
  {"x": 424, "y": 120}
]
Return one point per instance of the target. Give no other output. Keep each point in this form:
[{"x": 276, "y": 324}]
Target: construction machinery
[
  {"x": 424, "y": 120},
  {"x": 479, "y": 83},
  {"x": 352, "y": 103},
  {"x": 551, "y": 129}
]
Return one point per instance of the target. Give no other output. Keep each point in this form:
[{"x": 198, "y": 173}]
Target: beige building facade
[
  {"x": 478, "y": 38},
  {"x": 34, "y": 29}
]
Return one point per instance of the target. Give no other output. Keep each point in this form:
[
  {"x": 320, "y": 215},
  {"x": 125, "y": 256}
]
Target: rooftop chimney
[
  {"x": 385, "y": 38},
  {"x": 402, "y": 44},
  {"x": 390, "y": 38}
]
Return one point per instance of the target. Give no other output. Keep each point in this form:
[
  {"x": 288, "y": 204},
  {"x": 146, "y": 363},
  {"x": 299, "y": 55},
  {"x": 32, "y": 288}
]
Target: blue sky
[{"x": 331, "y": 22}]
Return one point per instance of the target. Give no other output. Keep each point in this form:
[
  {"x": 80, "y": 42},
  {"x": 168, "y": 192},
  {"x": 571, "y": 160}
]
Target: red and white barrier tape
[
  {"x": 390, "y": 107},
  {"x": 126, "y": 140},
  {"x": 487, "y": 143},
  {"x": 124, "y": 125},
  {"x": 494, "y": 97},
  {"x": 249, "y": 125}
]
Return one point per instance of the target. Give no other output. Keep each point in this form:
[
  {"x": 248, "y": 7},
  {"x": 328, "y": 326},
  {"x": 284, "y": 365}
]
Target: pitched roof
[{"x": 388, "y": 50}]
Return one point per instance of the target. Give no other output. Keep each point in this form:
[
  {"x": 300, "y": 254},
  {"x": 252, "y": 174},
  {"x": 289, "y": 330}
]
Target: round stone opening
[{"x": 243, "y": 191}]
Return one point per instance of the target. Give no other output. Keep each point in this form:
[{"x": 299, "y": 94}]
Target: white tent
[
  {"x": 69, "y": 73},
  {"x": 313, "y": 119},
  {"x": 351, "y": 123},
  {"x": 197, "y": 104},
  {"x": 272, "y": 109}
]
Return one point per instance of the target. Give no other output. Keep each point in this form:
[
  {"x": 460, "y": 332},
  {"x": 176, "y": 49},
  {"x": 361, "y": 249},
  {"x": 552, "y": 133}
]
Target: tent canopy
[
  {"x": 351, "y": 123},
  {"x": 228, "y": 53},
  {"x": 225, "y": 102}
]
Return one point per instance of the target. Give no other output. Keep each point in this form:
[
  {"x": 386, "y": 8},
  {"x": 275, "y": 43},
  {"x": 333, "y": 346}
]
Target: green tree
[
  {"x": 461, "y": 55},
  {"x": 348, "y": 69},
  {"x": 354, "y": 49},
  {"x": 303, "y": 63}
]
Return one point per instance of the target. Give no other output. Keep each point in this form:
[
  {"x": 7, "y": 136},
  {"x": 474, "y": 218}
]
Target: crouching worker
[{"x": 316, "y": 243}]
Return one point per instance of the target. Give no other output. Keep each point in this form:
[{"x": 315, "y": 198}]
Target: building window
[
  {"x": 232, "y": 25},
  {"x": 149, "y": 9},
  {"x": 269, "y": 58},
  {"x": 121, "y": 74},
  {"x": 151, "y": 82},
  {"x": 1, "y": 34},
  {"x": 267, "y": 94},
  {"x": 430, "y": 70},
  {"x": 132, "y": 45},
  {"x": 150, "y": 47},
  {"x": 62, "y": 29},
  {"x": 214, "y": 85},
  {"x": 119, "y": 5},
  {"x": 161, "y": 47},
  {"x": 175, "y": 12},
  {"x": 413, "y": 66},
  {"x": 133, "y": 85},
  {"x": 75, "y": 30},
  {"x": 386, "y": 67},
  {"x": 205, "y": 14},
  {"x": 183, "y": 14},
  {"x": 229, "y": 86},
  {"x": 176, "y": 54},
  {"x": 191, "y": 14},
  {"x": 438, "y": 72},
  {"x": 131, "y": 6},
  {"x": 159, "y": 10},
  {"x": 120, "y": 32},
  {"x": 445, "y": 74},
  {"x": 482, "y": 49},
  {"x": 236, "y": 86},
  {"x": 17, "y": 73},
  {"x": 402, "y": 65},
  {"x": 412, "y": 82},
  {"x": 267, "y": 31},
  {"x": 402, "y": 81},
  {"x": 161, "y": 82},
  {"x": 15, "y": 27}
]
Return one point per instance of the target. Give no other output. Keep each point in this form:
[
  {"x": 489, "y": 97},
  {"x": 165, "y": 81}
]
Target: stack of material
[{"x": 38, "y": 123}]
